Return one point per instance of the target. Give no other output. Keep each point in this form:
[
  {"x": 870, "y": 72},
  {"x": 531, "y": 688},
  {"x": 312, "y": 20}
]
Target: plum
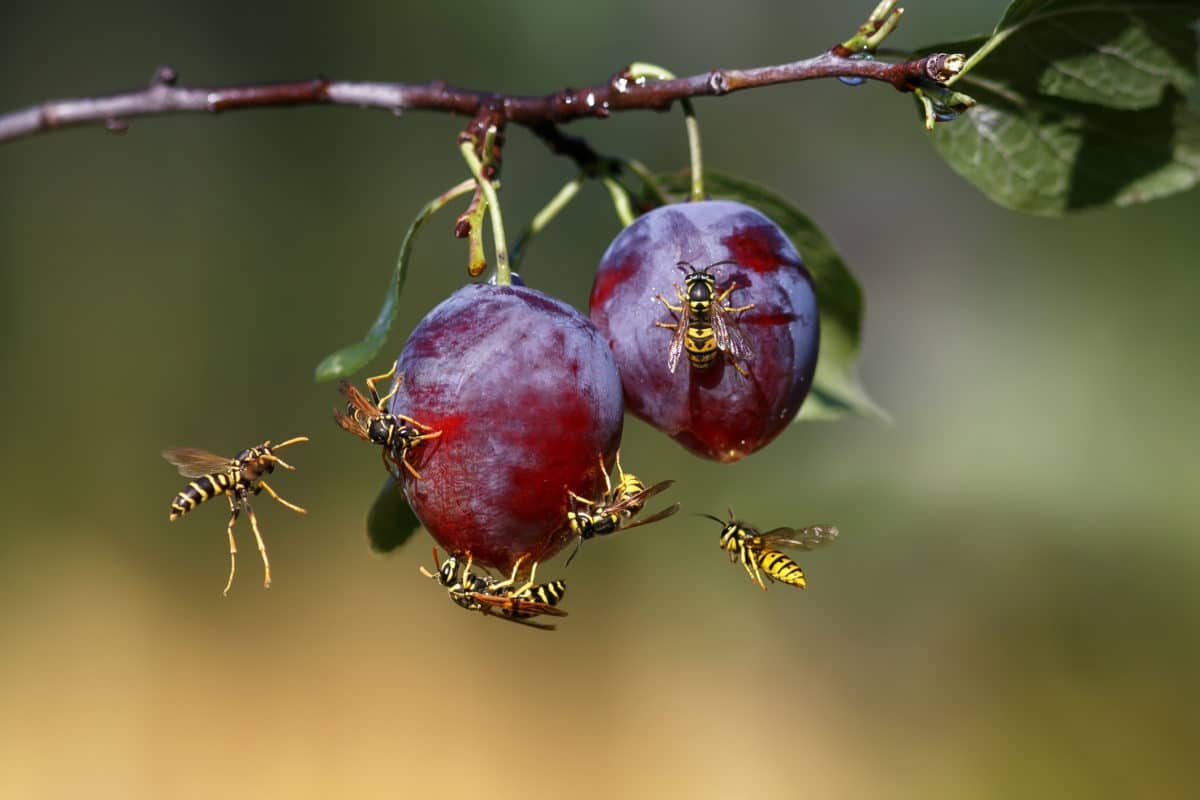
[
  {"x": 528, "y": 400},
  {"x": 714, "y": 411}
]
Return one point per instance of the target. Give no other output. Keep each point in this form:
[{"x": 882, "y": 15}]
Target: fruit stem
[
  {"x": 640, "y": 72},
  {"x": 541, "y": 219},
  {"x": 473, "y": 218},
  {"x": 644, "y": 175},
  {"x": 620, "y": 199},
  {"x": 503, "y": 273}
]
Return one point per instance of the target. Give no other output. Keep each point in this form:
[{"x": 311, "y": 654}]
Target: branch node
[
  {"x": 941, "y": 67},
  {"x": 718, "y": 83},
  {"x": 620, "y": 81},
  {"x": 164, "y": 76}
]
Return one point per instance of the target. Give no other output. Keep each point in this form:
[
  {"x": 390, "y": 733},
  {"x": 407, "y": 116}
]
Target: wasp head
[{"x": 448, "y": 571}]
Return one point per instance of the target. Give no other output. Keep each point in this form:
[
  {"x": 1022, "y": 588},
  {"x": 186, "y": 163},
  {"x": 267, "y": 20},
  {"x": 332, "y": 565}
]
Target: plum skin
[
  {"x": 716, "y": 413},
  {"x": 528, "y": 399}
]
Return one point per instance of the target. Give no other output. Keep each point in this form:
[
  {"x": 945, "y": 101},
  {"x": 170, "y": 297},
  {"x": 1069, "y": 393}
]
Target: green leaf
[
  {"x": 391, "y": 521},
  {"x": 1117, "y": 53},
  {"x": 353, "y": 357},
  {"x": 836, "y": 388},
  {"x": 1081, "y": 104}
]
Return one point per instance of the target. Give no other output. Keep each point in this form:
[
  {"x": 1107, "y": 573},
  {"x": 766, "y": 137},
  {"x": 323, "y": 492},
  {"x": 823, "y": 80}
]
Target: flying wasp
[
  {"x": 494, "y": 597},
  {"x": 237, "y": 478},
  {"x": 704, "y": 323},
  {"x": 367, "y": 420},
  {"x": 612, "y": 513},
  {"x": 759, "y": 552}
]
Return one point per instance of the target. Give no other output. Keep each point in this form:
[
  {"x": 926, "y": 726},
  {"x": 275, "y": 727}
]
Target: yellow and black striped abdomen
[
  {"x": 701, "y": 345},
  {"x": 550, "y": 594},
  {"x": 781, "y": 568},
  {"x": 203, "y": 488}
]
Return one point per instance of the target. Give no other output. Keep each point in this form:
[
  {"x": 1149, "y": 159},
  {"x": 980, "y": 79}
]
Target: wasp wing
[
  {"x": 666, "y": 512},
  {"x": 357, "y": 402},
  {"x": 729, "y": 336},
  {"x": 638, "y": 498},
  {"x": 193, "y": 463},
  {"x": 541, "y": 626},
  {"x": 809, "y": 538},
  {"x": 678, "y": 335},
  {"x": 516, "y": 605},
  {"x": 351, "y": 423}
]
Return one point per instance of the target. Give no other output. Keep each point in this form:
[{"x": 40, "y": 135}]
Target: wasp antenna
[
  {"x": 296, "y": 440},
  {"x": 710, "y": 516},
  {"x": 574, "y": 552},
  {"x": 721, "y": 263}
]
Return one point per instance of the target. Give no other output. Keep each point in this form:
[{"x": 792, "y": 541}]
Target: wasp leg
[
  {"x": 528, "y": 584},
  {"x": 734, "y": 363},
  {"x": 270, "y": 491},
  {"x": 390, "y": 464},
  {"x": 757, "y": 575},
  {"x": 719, "y": 299},
  {"x": 411, "y": 471},
  {"x": 233, "y": 515},
  {"x": 581, "y": 500},
  {"x": 671, "y": 308},
  {"x": 416, "y": 440},
  {"x": 277, "y": 460},
  {"x": 262, "y": 548},
  {"x": 420, "y": 425},
  {"x": 607, "y": 482},
  {"x": 379, "y": 401},
  {"x": 511, "y": 578}
]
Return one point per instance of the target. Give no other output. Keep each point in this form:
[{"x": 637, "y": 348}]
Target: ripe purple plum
[
  {"x": 528, "y": 399},
  {"x": 715, "y": 412}
]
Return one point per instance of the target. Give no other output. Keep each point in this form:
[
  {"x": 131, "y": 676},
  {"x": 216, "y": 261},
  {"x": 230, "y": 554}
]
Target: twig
[{"x": 620, "y": 93}]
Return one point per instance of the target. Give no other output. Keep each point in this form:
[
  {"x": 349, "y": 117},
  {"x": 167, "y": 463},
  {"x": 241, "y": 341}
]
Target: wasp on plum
[
  {"x": 704, "y": 323},
  {"x": 238, "y": 478},
  {"x": 759, "y": 552},
  {"x": 495, "y": 597},
  {"x": 616, "y": 509},
  {"x": 367, "y": 419}
]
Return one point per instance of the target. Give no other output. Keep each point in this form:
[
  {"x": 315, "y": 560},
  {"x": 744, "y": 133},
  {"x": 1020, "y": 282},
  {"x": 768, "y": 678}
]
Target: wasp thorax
[{"x": 380, "y": 431}]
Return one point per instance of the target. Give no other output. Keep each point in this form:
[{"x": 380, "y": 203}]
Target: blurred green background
[{"x": 1010, "y": 610}]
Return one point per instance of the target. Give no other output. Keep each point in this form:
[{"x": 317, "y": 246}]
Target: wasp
[
  {"x": 237, "y": 478},
  {"x": 367, "y": 420},
  {"x": 491, "y": 596},
  {"x": 613, "y": 512},
  {"x": 704, "y": 323},
  {"x": 759, "y": 552}
]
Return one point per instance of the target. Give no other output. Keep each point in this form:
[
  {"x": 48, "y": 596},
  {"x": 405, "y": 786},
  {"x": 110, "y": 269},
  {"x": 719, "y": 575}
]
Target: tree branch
[{"x": 620, "y": 93}]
